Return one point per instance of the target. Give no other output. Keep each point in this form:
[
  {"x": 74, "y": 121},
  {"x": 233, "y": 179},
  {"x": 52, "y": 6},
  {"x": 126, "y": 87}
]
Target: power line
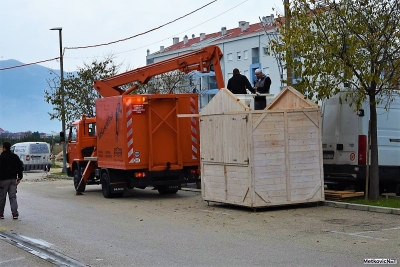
[
  {"x": 121, "y": 40},
  {"x": 176, "y": 33},
  {"x": 23, "y": 65}
]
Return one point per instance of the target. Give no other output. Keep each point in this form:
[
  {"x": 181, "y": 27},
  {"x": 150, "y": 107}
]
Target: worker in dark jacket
[
  {"x": 238, "y": 83},
  {"x": 10, "y": 176},
  {"x": 262, "y": 84}
]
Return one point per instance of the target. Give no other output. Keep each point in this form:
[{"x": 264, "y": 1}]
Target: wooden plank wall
[
  {"x": 225, "y": 159},
  {"x": 304, "y": 154},
  {"x": 238, "y": 184},
  {"x": 213, "y": 182},
  {"x": 235, "y": 139},
  {"x": 269, "y": 158},
  {"x": 284, "y": 151},
  {"x": 226, "y": 183},
  {"x": 211, "y": 138}
]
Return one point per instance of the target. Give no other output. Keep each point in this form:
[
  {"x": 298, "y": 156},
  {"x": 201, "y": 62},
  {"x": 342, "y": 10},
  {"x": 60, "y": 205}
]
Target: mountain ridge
[{"x": 23, "y": 107}]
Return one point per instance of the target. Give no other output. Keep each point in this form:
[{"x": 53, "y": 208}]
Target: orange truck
[{"x": 136, "y": 141}]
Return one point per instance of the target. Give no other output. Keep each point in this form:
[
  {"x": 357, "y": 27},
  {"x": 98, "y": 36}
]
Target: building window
[
  {"x": 245, "y": 54},
  {"x": 266, "y": 50},
  {"x": 230, "y": 57},
  {"x": 239, "y": 55},
  {"x": 149, "y": 61}
]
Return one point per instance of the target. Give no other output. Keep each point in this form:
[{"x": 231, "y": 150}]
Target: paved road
[{"x": 148, "y": 229}]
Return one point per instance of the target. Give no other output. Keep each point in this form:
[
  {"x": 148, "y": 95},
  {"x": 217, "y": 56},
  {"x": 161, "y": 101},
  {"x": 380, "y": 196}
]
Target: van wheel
[{"x": 77, "y": 179}]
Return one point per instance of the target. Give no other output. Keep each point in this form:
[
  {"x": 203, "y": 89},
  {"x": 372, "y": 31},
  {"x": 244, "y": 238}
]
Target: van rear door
[
  {"x": 39, "y": 156},
  {"x": 340, "y": 128}
]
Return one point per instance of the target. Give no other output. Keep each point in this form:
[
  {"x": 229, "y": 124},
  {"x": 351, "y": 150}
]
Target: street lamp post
[{"x": 59, "y": 29}]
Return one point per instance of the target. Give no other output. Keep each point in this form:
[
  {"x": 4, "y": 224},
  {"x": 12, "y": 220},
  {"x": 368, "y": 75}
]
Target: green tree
[
  {"x": 175, "y": 82},
  {"x": 79, "y": 92},
  {"x": 348, "y": 42}
]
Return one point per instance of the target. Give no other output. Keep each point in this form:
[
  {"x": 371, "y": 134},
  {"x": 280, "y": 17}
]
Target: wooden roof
[
  {"x": 223, "y": 101},
  {"x": 290, "y": 98}
]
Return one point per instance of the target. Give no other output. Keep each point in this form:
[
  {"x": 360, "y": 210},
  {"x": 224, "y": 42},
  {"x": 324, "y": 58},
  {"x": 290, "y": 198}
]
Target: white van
[
  {"x": 34, "y": 155},
  {"x": 345, "y": 139}
]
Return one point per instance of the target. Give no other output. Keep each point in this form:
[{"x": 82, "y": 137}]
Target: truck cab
[{"x": 81, "y": 142}]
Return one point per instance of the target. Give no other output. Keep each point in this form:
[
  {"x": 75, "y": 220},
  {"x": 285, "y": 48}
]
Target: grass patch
[
  {"x": 55, "y": 165},
  {"x": 389, "y": 202},
  {"x": 60, "y": 173}
]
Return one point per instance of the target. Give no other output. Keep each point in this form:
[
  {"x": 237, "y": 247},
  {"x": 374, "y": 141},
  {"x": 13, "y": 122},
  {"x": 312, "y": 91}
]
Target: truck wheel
[
  {"x": 105, "y": 185},
  {"x": 77, "y": 179},
  {"x": 164, "y": 191}
]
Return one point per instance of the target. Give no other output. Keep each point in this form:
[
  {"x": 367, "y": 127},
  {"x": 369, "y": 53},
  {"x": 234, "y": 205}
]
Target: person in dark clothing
[
  {"x": 238, "y": 83},
  {"x": 262, "y": 84},
  {"x": 11, "y": 171}
]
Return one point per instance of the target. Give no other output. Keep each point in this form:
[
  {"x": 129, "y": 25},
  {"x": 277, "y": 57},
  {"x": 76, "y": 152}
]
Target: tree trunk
[{"x": 373, "y": 169}]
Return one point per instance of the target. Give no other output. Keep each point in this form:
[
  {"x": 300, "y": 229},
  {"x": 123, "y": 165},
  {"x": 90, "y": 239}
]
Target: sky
[{"x": 25, "y": 25}]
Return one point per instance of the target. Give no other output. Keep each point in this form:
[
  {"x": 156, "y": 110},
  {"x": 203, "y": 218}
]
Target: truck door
[{"x": 73, "y": 150}]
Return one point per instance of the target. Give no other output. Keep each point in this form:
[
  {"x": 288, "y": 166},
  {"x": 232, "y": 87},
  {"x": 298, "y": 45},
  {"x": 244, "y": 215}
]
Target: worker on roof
[
  {"x": 262, "y": 84},
  {"x": 238, "y": 83}
]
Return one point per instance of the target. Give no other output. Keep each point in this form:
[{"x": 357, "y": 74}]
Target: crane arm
[{"x": 203, "y": 60}]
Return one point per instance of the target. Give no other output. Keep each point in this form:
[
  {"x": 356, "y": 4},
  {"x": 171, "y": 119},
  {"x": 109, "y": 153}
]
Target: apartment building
[{"x": 246, "y": 47}]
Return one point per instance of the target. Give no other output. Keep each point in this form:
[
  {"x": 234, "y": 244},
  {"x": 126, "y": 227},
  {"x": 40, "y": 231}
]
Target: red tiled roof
[{"x": 230, "y": 34}]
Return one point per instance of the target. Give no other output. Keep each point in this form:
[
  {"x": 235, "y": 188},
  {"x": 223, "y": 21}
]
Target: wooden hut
[{"x": 260, "y": 158}]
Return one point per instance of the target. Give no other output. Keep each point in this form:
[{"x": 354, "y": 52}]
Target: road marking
[
  {"x": 361, "y": 234},
  {"x": 39, "y": 250},
  {"x": 358, "y": 235},
  {"x": 16, "y": 259},
  {"x": 374, "y": 231},
  {"x": 218, "y": 212}
]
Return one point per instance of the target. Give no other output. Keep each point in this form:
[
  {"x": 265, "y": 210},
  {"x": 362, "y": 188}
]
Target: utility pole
[
  {"x": 59, "y": 29},
  {"x": 289, "y": 75}
]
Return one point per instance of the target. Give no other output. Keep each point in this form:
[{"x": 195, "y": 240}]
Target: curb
[
  {"x": 191, "y": 189},
  {"x": 343, "y": 205}
]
